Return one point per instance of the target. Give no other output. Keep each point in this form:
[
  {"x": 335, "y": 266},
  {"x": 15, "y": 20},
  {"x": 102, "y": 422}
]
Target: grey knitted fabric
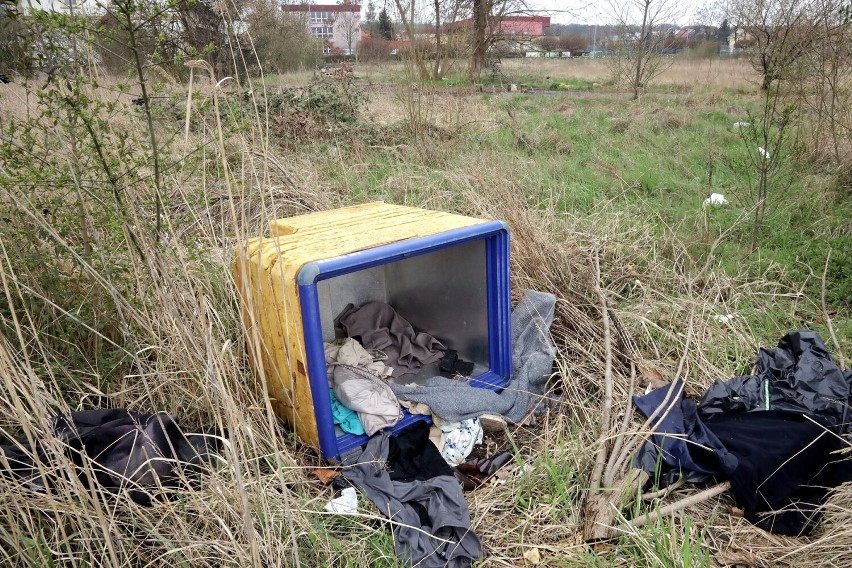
[{"x": 532, "y": 361}]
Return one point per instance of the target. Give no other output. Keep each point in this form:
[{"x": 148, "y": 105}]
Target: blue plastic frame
[{"x": 496, "y": 236}]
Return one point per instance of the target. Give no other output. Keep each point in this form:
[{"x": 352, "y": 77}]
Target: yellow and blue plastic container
[{"x": 446, "y": 274}]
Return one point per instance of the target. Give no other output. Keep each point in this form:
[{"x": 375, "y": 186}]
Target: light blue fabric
[{"x": 346, "y": 417}]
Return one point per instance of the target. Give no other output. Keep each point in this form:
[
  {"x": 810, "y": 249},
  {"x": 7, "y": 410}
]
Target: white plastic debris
[
  {"x": 741, "y": 124},
  {"x": 346, "y": 504},
  {"x": 726, "y": 318},
  {"x": 716, "y": 199},
  {"x": 763, "y": 152}
]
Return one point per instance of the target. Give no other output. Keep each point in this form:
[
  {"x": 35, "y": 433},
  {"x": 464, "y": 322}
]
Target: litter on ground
[{"x": 716, "y": 199}]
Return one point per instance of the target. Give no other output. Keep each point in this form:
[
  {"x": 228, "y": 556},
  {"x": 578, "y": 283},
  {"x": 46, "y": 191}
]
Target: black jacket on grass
[
  {"x": 773, "y": 434},
  {"x": 142, "y": 454}
]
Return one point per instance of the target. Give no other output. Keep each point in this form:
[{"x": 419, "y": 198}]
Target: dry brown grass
[
  {"x": 682, "y": 73},
  {"x": 260, "y": 505}
]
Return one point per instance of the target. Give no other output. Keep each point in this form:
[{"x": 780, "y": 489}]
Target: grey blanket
[
  {"x": 431, "y": 519},
  {"x": 532, "y": 361}
]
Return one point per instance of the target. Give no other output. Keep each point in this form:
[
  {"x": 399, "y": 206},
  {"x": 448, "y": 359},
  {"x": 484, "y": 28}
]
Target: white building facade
[{"x": 337, "y": 26}]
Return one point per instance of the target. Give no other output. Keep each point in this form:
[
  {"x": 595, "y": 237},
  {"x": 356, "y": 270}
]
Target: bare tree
[
  {"x": 280, "y": 40},
  {"x": 347, "y": 25},
  {"x": 370, "y": 17},
  {"x": 206, "y": 32},
  {"x": 573, "y": 42},
  {"x": 481, "y": 10},
  {"x": 643, "y": 28},
  {"x": 424, "y": 22},
  {"x": 801, "y": 50},
  {"x": 777, "y": 33},
  {"x": 828, "y": 83},
  {"x": 487, "y": 17},
  {"x": 802, "y": 47}
]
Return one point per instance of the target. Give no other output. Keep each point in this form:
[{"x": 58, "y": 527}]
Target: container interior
[{"x": 442, "y": 292}]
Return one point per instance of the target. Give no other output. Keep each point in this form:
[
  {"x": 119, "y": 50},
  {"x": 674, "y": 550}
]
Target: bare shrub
[
  {"x": 280, "y": 42},
  {"x": 374, "y": 50},
  {"x": 636, "y": 57}
]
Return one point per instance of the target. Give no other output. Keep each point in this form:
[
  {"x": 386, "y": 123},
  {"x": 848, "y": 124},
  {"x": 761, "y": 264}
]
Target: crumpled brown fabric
[{"x": 379, "y": 327}]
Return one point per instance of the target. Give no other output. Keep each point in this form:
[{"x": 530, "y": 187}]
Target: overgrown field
[{"x": 118, "y": 290}]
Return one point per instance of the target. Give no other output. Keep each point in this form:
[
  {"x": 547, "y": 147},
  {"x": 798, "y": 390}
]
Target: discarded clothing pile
[
  {"x": 532, "y": 363},
  {"x": 374, "y": 343},
  {"x": 376, "y": 325},
  {"x": 408, "y": 477},
  {"x": 364, "y": 401},
  {"x": 408, "y": 480},
  {"x": 127, "y": 451},
  {"x": 357, "y": 385},
  {"x": 775, "y": 435}
]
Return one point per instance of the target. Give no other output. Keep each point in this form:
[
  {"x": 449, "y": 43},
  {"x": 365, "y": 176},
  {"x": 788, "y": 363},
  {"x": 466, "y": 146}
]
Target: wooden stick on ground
[
  {"x": 605, "y": 426},
  {"x": 610, "y": 471},
  {"x": 840, "y": 359},
  {"x": 664, "y": 491},
  {"x": 604, "y": 503},
  {"x": 676, "y": 506}
]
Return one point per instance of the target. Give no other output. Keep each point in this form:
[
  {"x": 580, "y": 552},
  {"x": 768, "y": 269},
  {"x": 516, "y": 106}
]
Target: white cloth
[
  {"x": 350, "y": 352},
  {"x": 716, "y": 199},
  {"x": 346, "y": 504},
  {"x": 416, "y": 407}
]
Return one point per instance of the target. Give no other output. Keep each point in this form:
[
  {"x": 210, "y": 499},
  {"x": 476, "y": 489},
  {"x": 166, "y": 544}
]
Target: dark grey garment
[
  {"x": 378, "y": 326},
  {"x": 431, "y": 522},
  {"x": 532, "y": 363},
  {"x": 142, "y": 454},
  {"x": 798, "y": 376}
]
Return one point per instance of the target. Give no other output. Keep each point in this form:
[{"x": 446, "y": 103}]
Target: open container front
[
  {"x": 452, "y": 285},
  {"x": 447, "y": 274}
]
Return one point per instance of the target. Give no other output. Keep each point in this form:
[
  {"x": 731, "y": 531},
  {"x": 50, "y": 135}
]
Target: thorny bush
[{"x": 327, "y": 106}]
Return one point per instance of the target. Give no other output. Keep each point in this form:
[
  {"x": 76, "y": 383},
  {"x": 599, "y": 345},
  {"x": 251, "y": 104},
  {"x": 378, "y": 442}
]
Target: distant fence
[{"x": 549, "y": 54}]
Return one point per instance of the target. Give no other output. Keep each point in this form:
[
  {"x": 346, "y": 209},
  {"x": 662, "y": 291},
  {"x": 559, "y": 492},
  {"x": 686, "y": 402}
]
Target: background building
[{"x": 337, "y": 26}]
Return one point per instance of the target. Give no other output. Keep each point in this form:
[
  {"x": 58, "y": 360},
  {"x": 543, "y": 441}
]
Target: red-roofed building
[
  {"x": 525, "y": 26},
  {"x": 337, "y": 26}
]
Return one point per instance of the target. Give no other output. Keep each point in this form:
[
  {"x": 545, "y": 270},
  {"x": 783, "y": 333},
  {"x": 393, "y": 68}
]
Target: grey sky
[{"x": 591, "y": 12}]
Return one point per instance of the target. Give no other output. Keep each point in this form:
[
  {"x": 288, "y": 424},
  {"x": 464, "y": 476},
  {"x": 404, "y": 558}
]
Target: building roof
[
  {"x": 321, "y": 7},
  {"x": 544, "y": 20}
]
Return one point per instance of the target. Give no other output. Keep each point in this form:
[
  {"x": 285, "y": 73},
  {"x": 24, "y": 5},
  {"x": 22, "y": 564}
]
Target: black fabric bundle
[
  {"x": 785, "y": 468},
  {"x": 413, "y": 457},
  {"x": 137, "y": 453},
  {"x": 775, "y": 435}
]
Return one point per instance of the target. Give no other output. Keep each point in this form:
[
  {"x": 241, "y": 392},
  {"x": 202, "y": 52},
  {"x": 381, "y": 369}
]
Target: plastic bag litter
[
  {"x": 716, "y": 199},
  {"x": 346, "y": 504}
]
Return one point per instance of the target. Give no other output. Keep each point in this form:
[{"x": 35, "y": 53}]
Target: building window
[
  {"x": 326, "y": 50},
  {"x": 323, "y": 32},
  {"x": 320, "y": 17}
]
